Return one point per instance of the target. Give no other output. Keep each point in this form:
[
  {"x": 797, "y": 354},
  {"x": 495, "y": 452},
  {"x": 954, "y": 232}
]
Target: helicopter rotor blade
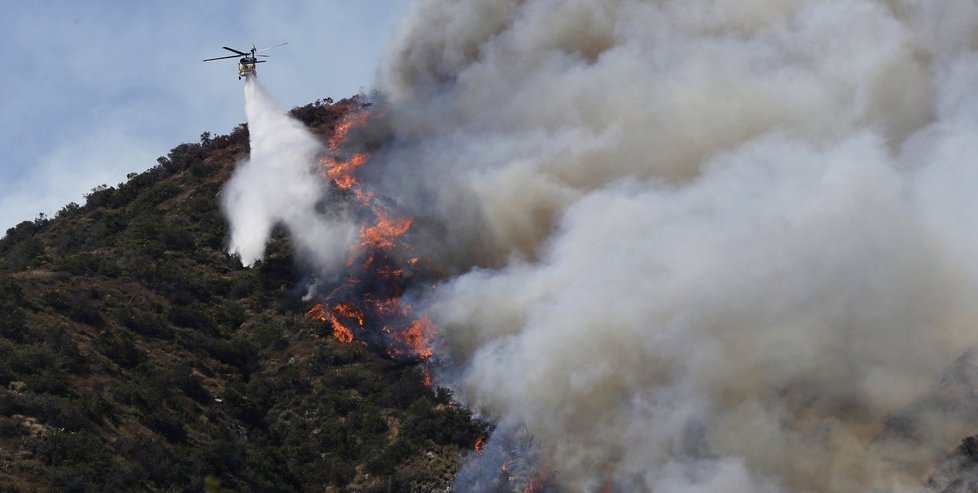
[
  {"x": 221, "y": 58},
  {"x": 270, "y": 47},
  {"x": 263, "y": 55},
  {"x": 234, "y": 50}
]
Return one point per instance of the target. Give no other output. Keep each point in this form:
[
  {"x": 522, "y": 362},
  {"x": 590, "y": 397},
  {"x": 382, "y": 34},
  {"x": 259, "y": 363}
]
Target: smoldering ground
[{"x": 695, "y": 246}]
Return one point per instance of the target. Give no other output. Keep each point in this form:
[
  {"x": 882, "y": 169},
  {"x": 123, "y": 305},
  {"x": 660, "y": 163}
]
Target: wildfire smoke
[
  {"x": 371, "y": 295},
  {"x": 282, "y": 183},
  {"x": 687, "y": 245},
  {"x": 696, "y": 246}
]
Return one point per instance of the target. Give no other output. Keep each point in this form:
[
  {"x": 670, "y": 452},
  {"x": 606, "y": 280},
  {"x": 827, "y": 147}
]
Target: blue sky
[{"x": 91, "y": 91}]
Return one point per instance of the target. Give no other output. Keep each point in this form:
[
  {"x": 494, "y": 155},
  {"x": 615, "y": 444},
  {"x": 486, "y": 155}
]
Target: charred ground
[{"x": 136, "y": 355}]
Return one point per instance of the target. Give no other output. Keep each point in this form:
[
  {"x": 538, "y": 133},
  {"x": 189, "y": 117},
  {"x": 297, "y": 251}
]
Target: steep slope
[{"x": 135, "y": 355}]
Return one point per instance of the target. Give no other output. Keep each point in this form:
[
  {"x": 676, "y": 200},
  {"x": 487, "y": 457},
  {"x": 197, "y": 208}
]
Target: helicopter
[{"x": 246, "y": 65}]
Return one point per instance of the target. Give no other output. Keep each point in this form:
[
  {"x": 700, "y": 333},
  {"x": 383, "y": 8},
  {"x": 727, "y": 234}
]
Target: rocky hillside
[{"x": 136, "y": 355}]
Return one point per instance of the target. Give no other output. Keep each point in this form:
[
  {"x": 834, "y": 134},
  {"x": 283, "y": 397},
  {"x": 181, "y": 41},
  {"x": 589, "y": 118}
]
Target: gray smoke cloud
[
  {"x": 687, "y": 245},
  {"x": 281, "y": 183},
  {"x": 697, "y": 246}
]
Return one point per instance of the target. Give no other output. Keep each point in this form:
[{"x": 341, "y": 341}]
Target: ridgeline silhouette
[{"x": 136, "y": 355}]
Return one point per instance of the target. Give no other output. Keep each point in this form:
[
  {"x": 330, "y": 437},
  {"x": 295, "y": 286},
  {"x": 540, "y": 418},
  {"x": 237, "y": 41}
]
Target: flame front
[
  {"x": 341, "y": 172},
  {"x": 385, "y": 233},
  {"x": 340, "y": 331},
  {"x": 368, "y": 304},
  {"x": 416, "y": 339},
  {"x": 350, "y": 120}
]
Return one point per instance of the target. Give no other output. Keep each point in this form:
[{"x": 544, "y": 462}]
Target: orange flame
[
  {"x": 383, "y": 234},
  {"x": 341, "y": 172},
  {"x": 481, "y": 442},
  {"x": 416, "y": 338},
  {"x": 350, "y": 120},
  {"x": 340, "y": 332},
  {"x": 370, "y": 261},
  {"x": 392, "y": 307},
  {"x": 316, "y": 312},
  {"x": 538, "y": 482},
  {"x": 388, "y": 271},
  {"x": 350, "y": 311}
]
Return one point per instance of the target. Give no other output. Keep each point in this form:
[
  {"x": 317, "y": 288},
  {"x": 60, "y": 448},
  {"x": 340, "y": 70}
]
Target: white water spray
[{"x": 281, "y": 183}]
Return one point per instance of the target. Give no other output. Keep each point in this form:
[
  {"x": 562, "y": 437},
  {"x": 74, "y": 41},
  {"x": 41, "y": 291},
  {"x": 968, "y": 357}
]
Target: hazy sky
[{"x": 91, "y": 91}]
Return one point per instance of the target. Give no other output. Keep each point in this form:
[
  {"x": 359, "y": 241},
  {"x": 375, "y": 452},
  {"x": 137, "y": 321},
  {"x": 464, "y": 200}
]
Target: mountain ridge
[{"x": 137, "y": 355}]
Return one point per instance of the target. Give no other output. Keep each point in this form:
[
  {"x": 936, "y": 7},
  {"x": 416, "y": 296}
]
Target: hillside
[{"x": 136, "y": 355}]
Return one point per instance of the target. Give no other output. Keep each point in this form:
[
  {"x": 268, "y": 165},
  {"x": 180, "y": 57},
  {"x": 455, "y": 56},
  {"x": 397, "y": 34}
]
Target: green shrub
[
  {"x": 121, "y": 349},
  {"x": 57, "y": 448},
  {"x": 11, "y": 315},
  {"x": 182, "y": 378},
  {"x": 19, "y": 233},
  {"x": 27, "y": 360},
  {"x": 166, "y": 424},
  {"x": 67, "y": 355},
  {"x": 24, "y": 254},
  {"x": 192, "y": 317},
  {"x": 155, "y": 457},
  {"x": 154, "y": 196},
  {"x": 12, "y": 427},
  {"x": 389, "y": 458},
  {"x": 75, "y": 306},
  {"x": 56, "y": 411},
  {"x": 144, "y": 323},
  {"x": 49, "y": 381}
]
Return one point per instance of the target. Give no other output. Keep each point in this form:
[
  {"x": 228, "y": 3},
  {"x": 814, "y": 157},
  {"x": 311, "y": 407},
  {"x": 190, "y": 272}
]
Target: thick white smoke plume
[
  {"x": 691, "y": 246},
  {"x": 281, "y": 183},
  {"x": 700, "y": 246}
]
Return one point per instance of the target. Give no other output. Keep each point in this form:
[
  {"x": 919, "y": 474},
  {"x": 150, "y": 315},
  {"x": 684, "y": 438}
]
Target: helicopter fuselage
[
  {"x": 247, "y": 62},
  {"x": 246, "y": 67}
]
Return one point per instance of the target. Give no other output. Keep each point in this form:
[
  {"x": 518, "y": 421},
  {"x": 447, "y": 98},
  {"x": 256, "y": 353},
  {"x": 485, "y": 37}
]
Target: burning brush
[
  {"x": 368, "y": 304},
  {"x": 515, "y": 457}
]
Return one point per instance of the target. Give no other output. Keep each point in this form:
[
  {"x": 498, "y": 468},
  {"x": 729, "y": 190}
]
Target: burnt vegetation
[{"x": 135, "y": 355}]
